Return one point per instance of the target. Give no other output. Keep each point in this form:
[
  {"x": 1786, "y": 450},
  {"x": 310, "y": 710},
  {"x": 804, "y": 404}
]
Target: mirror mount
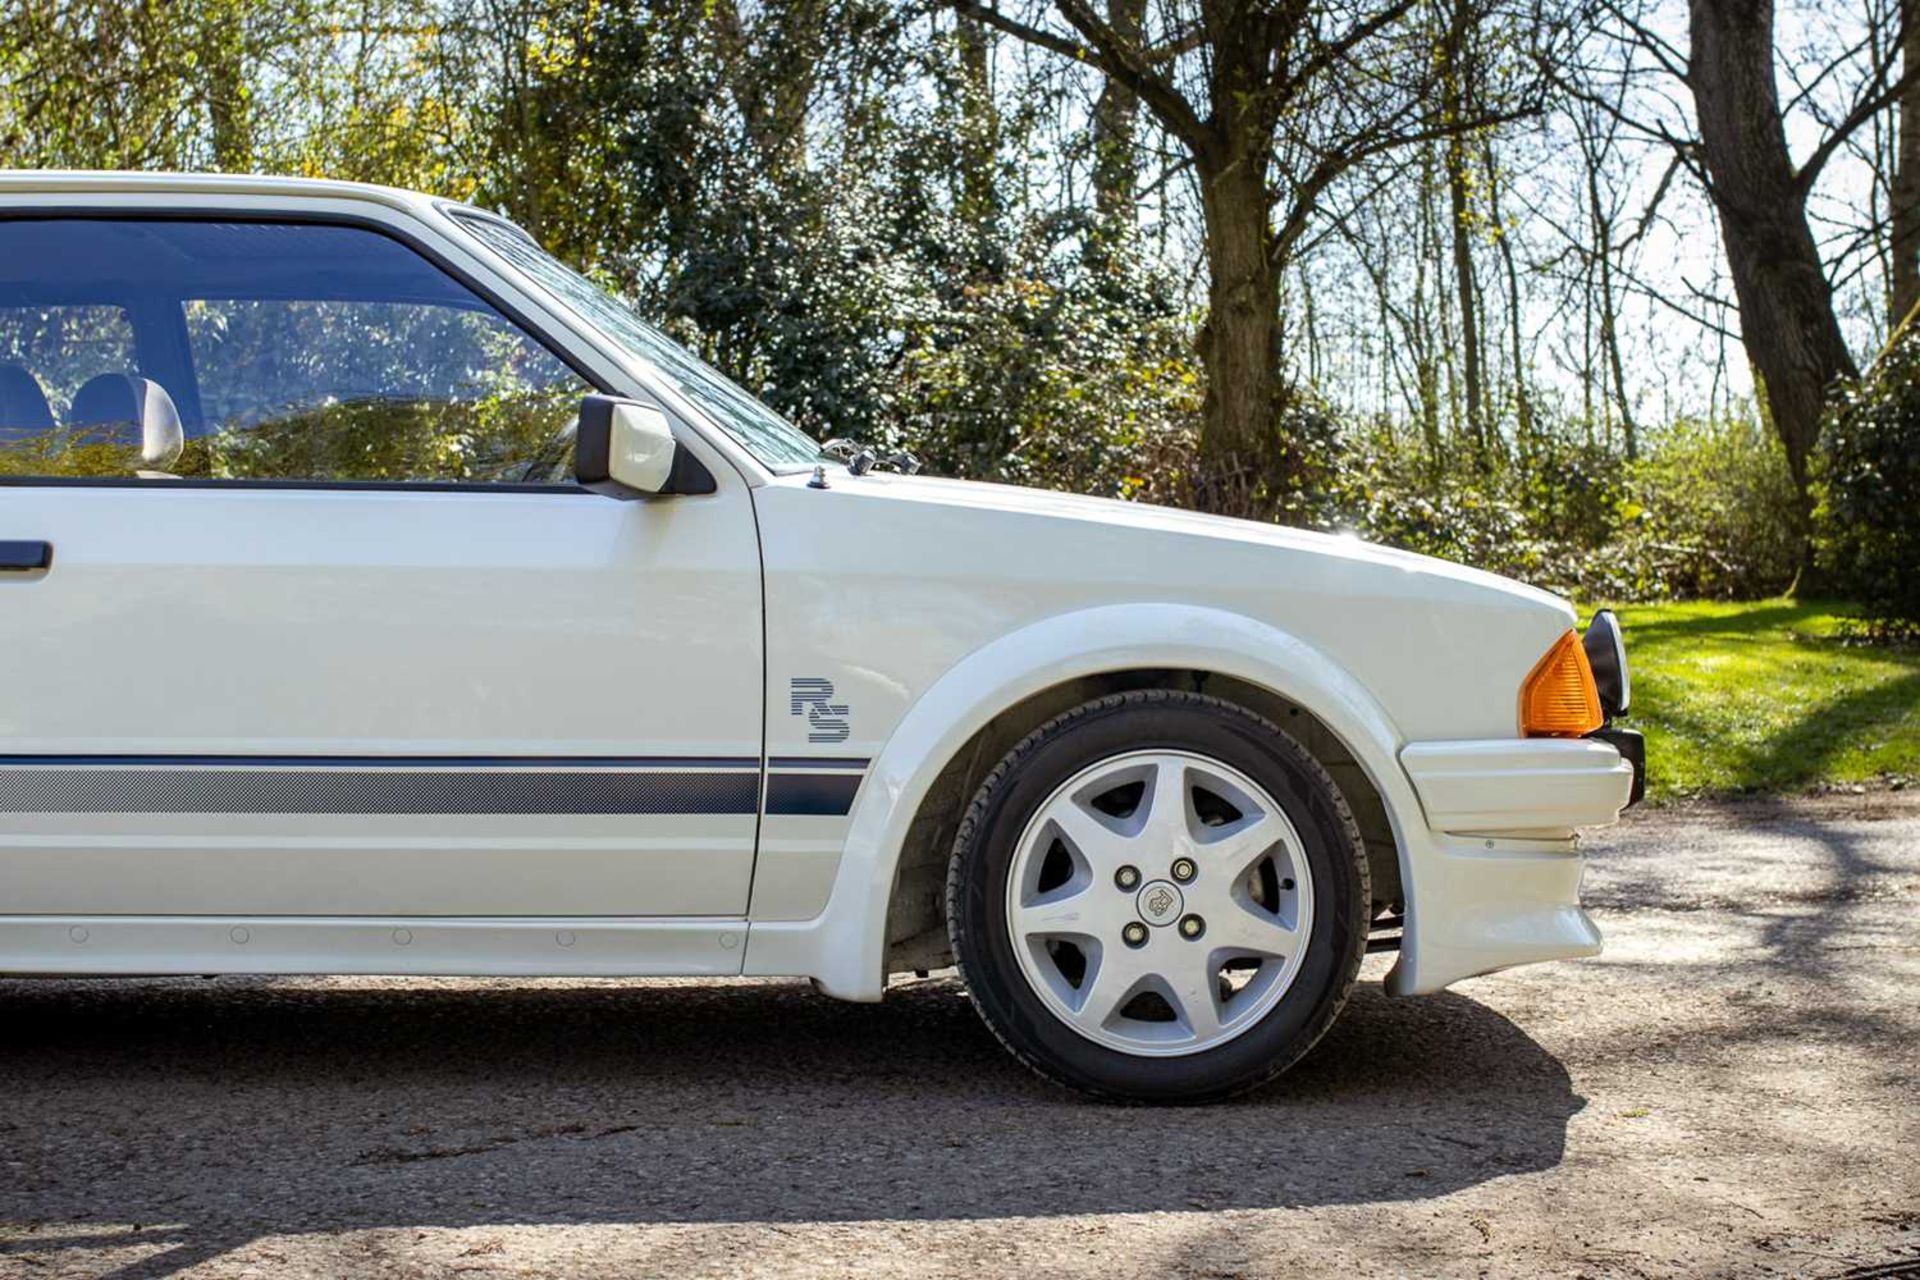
[{"x": 625, "y": 449}]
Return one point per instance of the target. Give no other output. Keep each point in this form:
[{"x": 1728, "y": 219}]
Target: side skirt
[{"x": 491, "y": 947}]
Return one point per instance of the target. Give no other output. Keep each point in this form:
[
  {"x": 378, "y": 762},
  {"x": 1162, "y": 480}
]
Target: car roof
[{"x": 112, "y": 182}]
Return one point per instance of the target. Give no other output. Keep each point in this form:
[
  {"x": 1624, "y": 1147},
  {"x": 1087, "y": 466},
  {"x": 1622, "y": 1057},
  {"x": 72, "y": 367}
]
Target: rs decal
[{"x": 827, "y": 720}]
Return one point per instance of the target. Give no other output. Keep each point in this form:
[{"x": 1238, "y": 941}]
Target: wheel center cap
[{"x": 1159, "y": 902}]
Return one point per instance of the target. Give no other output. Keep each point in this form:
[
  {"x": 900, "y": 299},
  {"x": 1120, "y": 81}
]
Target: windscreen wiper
[{"x": 861, "y": 458}]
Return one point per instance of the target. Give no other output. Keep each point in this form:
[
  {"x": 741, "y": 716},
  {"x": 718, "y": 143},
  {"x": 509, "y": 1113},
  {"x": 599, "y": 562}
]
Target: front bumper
[
  {"x": 1509, "y": 786},
  {"x": 1493, "y": 878}
]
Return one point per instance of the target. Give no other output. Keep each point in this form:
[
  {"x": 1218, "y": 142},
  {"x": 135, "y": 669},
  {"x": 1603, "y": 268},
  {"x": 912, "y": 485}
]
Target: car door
[{"x": 361, "y": 649}]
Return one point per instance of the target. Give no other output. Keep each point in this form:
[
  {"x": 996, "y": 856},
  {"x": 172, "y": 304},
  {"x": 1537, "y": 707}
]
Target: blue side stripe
[
  {"x": 811, "y": 795},
  {"x": 795, "y": 786}
]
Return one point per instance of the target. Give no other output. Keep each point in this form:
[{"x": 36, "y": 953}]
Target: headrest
[
  {"x": 24, "y": 410},
  {"x": 135, "y": 411}
]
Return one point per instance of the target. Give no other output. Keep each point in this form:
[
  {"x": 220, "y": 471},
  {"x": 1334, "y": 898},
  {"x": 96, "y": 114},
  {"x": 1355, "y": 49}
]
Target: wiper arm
[{"x": 861, "y": 458}]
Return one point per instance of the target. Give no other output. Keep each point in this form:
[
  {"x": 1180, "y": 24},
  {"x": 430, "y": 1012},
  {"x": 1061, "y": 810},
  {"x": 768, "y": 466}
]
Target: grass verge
[{"x": 1767, "y": 696}]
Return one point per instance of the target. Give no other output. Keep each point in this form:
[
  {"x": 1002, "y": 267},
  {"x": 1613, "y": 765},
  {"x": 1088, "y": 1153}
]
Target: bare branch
[
  {"x": 1326, "y": 56},
  {"x": 1864, "y": 110},
  {"x": 1652, "y": 206},
  {"x": 1671, "y": 60},
  {"x": 1373, "y": 142},
  {"x": 1100, "y": 46}
]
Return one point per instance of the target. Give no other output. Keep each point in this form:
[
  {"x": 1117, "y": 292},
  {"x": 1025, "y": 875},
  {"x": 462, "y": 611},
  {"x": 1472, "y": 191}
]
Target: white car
[{"x": 331, "y": 648}]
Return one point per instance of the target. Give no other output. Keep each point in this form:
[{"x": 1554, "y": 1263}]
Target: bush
[
  {"x": 1393, "y": 492},
  {"x": 1057, "y": 382},
  {"x": 1708, "y": 511},
  {"x": 1868, "y": 519},
  {"x": 1711, "y": 513}
]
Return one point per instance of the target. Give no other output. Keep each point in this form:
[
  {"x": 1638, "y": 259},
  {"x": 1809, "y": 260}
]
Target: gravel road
[{"x": 1732, "y": 1089}]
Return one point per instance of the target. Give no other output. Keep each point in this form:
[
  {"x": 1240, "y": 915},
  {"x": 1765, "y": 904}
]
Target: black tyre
[{"x": 1158, "y": 896}]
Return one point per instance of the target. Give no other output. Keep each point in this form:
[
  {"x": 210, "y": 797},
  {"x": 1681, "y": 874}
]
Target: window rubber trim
[{"x": 215, "y": 213}]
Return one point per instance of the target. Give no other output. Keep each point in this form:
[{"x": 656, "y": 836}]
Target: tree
[
  {"x": 1738, "y": 153},
  {"x": 221, "y": 52},
  {"x": 1905, "y": 230},
  {"x": 1116, "y": 115},
  {"x": 96, "y": 83},
  {"x": 1787, "y": 320},
  {"x": 1456, "y": 84},
  {"x": 1273, "y": 104},
  {"x": 1516, "y": 322}
]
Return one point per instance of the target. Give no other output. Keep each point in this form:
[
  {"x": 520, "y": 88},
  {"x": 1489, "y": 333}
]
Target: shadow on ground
[{"x": 216, "y": 1112}]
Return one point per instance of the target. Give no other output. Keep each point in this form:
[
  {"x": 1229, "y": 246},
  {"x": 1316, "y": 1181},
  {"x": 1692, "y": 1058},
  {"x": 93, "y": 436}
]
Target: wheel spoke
[
  {"x": 1243, "y": 928},
  {"x": 1165, "y": 802},
  {"x": 1111, "y": 985},
  {"x": 1055, "y": 914},
  {"x": 1238, "y": 846},
  {"x": 1195, "y": 995},
  {"x": 1097, "y": 844}
]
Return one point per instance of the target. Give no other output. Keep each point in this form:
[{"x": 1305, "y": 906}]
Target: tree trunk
[
  {"x": 1906, "y": 180},
  {"x": 1453, "y": 97},
  {"x": 1786, "y": 303},
  {"x": 1469, "y": 312},
  {"x": 980, "y": 143},
  {"x": 223, "y": 61},
  {"x": 1610, "y": 344},
  {"x": 1432, "y": 341},
  {"x": 778, "y": 69},
  {"x": 1522, "y": 398},
  {"x": 1242, "y": 464},
  {"x": 1115, "y": 161},
  {"x": 1615, "y": 372}
]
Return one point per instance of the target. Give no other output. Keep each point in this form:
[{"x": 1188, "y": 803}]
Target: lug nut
[
  {"x": 1127, "y": 877},
  {"x": 1184, "y": 870},
  {"x": 1192, "y": 926},
  {"x": 1135, "y": 934}
]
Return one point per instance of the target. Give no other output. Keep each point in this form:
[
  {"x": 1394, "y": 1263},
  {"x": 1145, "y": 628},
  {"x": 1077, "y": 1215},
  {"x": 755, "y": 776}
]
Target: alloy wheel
[{"x": 1159, "y": 902}]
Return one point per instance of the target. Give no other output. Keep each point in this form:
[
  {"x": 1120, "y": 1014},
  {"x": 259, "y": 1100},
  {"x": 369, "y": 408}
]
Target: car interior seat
[
  {"x": 24, "y": 411},
  {"x": 126, "y": 409}
]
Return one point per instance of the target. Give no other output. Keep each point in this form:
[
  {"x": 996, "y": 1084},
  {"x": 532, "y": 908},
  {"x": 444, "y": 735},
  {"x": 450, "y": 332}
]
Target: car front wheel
[{"x": 1158, "y": 896}]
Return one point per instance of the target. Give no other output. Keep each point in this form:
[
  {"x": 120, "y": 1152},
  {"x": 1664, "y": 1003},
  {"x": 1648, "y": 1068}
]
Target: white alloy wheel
[{"x": 1159, "y": 903}]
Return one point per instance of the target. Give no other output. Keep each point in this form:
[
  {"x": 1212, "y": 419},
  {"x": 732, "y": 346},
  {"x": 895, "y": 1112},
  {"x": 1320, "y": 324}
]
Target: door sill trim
[{"x": 421, "y": 945}]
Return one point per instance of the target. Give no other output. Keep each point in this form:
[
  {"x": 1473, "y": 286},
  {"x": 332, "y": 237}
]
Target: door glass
[
  {"x": 47, "y": 353},
  {"x": 294, "y": 352},
  {"x": 377, "y": 389}
]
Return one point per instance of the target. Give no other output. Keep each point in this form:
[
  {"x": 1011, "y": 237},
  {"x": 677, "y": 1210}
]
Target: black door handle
[{"x": 25, "y": 557}]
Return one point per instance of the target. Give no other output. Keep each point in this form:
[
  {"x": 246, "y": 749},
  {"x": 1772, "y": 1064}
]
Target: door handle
[{"x": 25, "y": 556}]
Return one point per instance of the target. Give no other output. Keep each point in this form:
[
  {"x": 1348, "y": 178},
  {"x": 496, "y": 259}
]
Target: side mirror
[{"x": 625, "y": 449}]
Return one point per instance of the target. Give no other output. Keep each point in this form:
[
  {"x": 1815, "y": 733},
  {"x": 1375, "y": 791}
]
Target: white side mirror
[
  {"x": 640, "y": 448},
  {"x": 625, "y": 449}
]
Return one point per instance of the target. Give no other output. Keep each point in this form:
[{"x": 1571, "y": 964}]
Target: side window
[
  {"x": 289, "y": 352},
  {"x": 47, "y": 353}
]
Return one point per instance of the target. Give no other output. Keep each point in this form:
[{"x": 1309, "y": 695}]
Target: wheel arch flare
[{"x": 883, "y": 912}]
